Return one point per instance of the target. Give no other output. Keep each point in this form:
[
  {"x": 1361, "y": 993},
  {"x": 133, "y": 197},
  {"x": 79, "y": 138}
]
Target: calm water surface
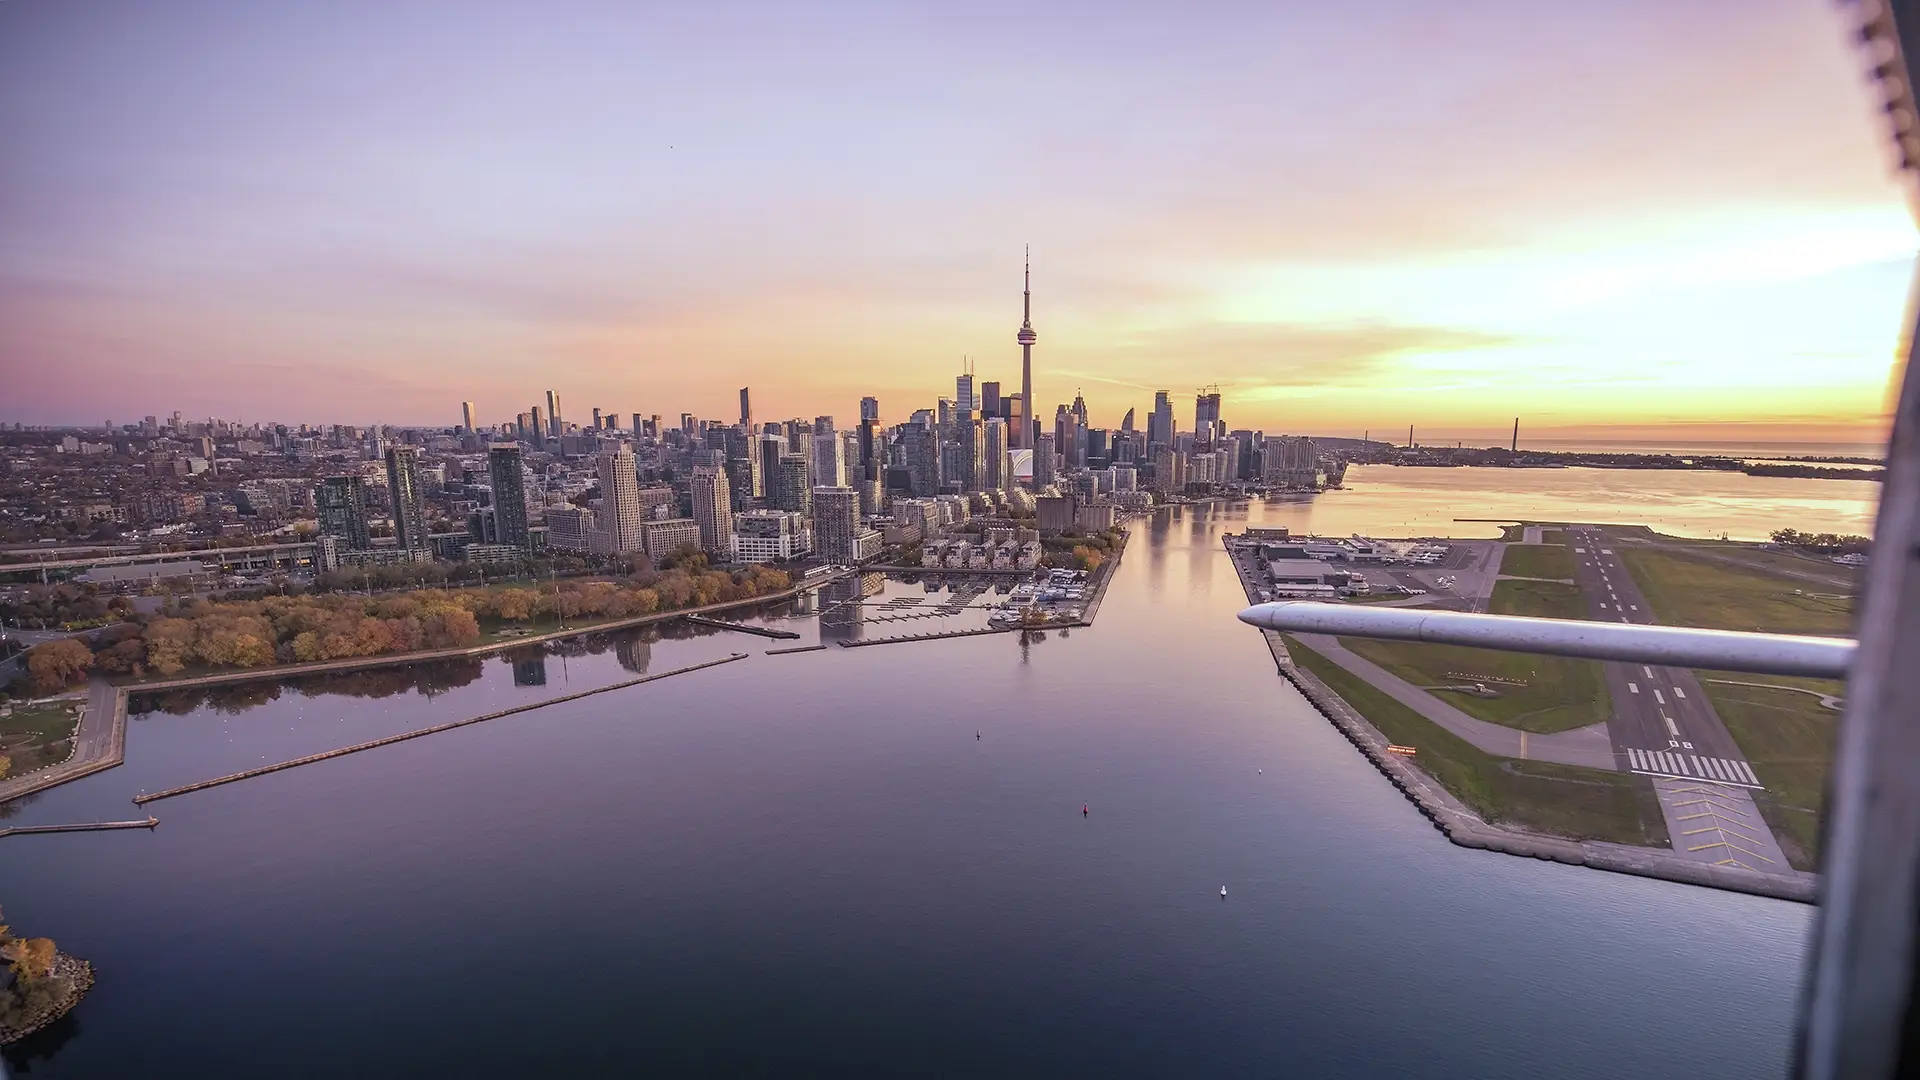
[{"x": 810, "y": 865}]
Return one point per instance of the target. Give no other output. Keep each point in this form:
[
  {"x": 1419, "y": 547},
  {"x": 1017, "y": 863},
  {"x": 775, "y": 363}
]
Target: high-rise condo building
[
  {"x": 596, "y": 420},
  {"x": 620, "y": 510},
  {"x": 970, "y": 435},
  {"x": 998, "y": 472},
  {"x": 341, "y": 502},
  {"x": 505, "y": 469},
  {"x": 746, "y": 409},
  {"x": 767, "y": 452},
  {"x": 1043, "y": 462},
  {"x": 466, "y": 417},
  {"x": 836, "y": 524},
  {"x": 538, "y": 425},
  {"x": 829, "y": 460},
  {"x": 1026, "y": 337},
  {"x": 713, "y": 509},
  {"x": 790, "y": 486},
  {"x": 1126, "y": 423},
  {"x": 763, "y": 536},
  {"x": 553, "y": 414},
  {"x": 409, "y": 505},
  {"x": 922, "y": 447},
  {"x": 870, "y": 408}
]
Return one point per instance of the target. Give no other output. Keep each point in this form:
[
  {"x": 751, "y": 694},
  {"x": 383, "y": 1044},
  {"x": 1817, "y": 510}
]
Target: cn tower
[{"x": 1027, "y": 337}]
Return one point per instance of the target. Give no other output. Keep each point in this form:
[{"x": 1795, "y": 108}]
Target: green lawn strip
[
  {"x": 1540, "y": 694},
  {"x": 1694, "y": 592},
  {"x": 1584, "y": 804},
  {"x": 36, "y": 736},
  {"x": 1537, "y": 561},
  {"x": 1788, "y": 739}
]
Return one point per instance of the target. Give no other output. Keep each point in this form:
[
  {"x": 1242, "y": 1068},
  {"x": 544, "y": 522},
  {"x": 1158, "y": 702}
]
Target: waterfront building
[
  {"x": 659, "y": 539},
  {"x": 1056, "y": 513},
  {"x": 1290, "y": 462},
  {"x": 341, "y": 503},
  {"x": 620, "y": 510},
  {"x": 506, "y": 469},
  {"x": 761, "y": 536},
  {"x": 1096, "y": 517},
  {"x": 836, "y": 524},
  {"x": 713, "y": 509}
]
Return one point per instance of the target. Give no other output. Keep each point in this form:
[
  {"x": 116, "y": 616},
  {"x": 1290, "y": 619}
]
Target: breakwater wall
[
  {"x": 722, "y": 624},
  {"x": 862, "y": 643},
  {"x": 1460, "y": 824},
  {"x": 83, "y": 826},
  {"x": 389, "y": 740},
  {"x": 795, "y": 649}
]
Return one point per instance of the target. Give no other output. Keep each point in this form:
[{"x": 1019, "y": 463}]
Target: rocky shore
[{"x": 78, "y": 975}]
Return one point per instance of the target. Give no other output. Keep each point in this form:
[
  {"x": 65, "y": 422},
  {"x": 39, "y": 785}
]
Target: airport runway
[{"x": 1664, "y": 726}]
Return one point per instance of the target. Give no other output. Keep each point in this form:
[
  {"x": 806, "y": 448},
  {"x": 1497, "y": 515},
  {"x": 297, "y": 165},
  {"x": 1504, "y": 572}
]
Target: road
[
  {"x": 95, "y": 746},
  {"x": 1664, "y": 726}
]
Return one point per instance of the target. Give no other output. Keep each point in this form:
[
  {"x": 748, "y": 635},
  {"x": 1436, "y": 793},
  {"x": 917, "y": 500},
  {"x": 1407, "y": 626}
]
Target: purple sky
[{"x": 1346, "y": 215}]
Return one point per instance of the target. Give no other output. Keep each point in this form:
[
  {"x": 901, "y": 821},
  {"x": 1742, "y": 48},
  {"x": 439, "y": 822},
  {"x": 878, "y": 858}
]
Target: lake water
[{"x": 810, "y": 865}]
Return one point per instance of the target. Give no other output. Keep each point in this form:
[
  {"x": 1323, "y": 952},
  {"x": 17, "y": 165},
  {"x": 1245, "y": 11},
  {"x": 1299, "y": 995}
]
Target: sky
[{"x": 1672, "y": 216}]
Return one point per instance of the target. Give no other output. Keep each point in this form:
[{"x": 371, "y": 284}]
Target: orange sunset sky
[{"x": 1666, "y": 217}]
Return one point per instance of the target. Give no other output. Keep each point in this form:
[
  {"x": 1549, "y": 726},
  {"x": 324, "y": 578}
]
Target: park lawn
[
  {"x": 1559, "y": 693},
  {"x": 1538, "y": 561},
  {"x": 1789, "y": 740},
  {"x": 35, "y": 736},
  {"x": 1563, "y": 800},
  {"x": 1692, "y": 592}
]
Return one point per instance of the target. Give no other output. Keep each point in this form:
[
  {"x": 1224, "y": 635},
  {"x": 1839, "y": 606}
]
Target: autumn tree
[{"x": 57, "y": 665}]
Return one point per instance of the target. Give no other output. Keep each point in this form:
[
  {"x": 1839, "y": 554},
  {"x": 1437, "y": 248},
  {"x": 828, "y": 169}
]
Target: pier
[
  {"x": 324, "y": 755},
  {"x": 722, "y": 624},
  {"x": 795, "y": 649},
  {"x": 84, "y": 826},
  {"x": 945, "y": 634}
]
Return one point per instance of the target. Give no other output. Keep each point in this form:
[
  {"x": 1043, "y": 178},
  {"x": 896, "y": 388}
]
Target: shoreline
[
  {"x": 1465, "y": 828},
  {"x": 80, "y": 975},
  {"x": 114, "y": 751}
]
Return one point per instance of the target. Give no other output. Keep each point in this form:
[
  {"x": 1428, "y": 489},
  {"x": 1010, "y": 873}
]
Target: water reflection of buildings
[
  {"x": 634, "y": 651},
  {"x": 530, "y": 669},
  {"x": 841, "y": 617}
]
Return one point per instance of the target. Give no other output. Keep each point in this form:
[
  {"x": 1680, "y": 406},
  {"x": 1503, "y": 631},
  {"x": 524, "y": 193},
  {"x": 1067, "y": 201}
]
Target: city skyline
[{"x": 1688, "y": 219}]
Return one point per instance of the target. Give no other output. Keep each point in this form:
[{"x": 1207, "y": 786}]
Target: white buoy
[{"x": 1223, "y": 892}]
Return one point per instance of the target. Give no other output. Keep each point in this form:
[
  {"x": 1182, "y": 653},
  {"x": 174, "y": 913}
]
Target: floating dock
[{"x": 436, "y": 729}]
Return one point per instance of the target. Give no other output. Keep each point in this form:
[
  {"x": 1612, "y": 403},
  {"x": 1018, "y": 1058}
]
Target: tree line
[
  {"x": 216, "y": 634},
  {"x": 1825, "y": 543}
]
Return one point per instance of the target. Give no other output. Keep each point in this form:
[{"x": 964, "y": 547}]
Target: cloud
[{"x": 1244, "y": 356}]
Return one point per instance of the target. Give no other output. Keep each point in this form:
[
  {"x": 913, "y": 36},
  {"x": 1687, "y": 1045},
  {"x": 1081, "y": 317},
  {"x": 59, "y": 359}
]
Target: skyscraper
[
  {"x": 620, "y": 513},
  {"x": 713, "y": 509},
  {"x": 923, "y": 459},
  {"x": 596, "y": 421},
  {"x": 836, "y": 523},
  {"x": 829, "y": 461},
  {"x": 1026, "y": 337},
  {"x": 767, "y": 450},
  {"x": 998, "y": 474},
  {"x": 794, "y": 487},
  {"x": 746, "y": 409},
  {"x": 870, "y": 408},
  {"x": 341, "y": 502},
  {"x": 553, "y": 414},
  {"x": 963, "y": 393},
  {"x": 509, "y": 496},
  {"x": 409, "y": 509},
  {"x": 466, "y": 416},
  {"x": 1126, "y": 423},
  {"x": 970, "y": 435},
  {"x": 1160, "y": 423},
  {"x": 538, "y": 425},
  {"x": 989, "y": 400},
  {"x": 1043, "y": 461},
  {"x": 1206, "y": 415}
]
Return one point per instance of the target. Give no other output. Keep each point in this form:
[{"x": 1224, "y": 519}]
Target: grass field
[
  {"x": 1541, "y": 694},
  {"x": 1538, "y": 561},
  {"x": 1553, "y": 536},
  {"x": 1585, "y": 804},
  {"x": 36, "y": 736},
  {"x": 1788, "y": 738},
  {"x": 1693, "y": 592}
]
